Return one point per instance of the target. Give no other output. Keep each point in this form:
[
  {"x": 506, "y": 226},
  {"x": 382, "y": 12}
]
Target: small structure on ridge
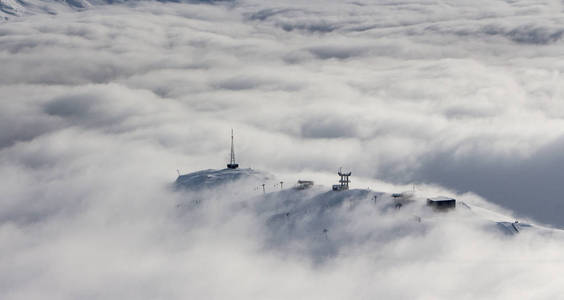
[
  {"x": 343, "y": 182},
  {"x": 304, "y": 184},
  {"x": 441, "y": 203}
]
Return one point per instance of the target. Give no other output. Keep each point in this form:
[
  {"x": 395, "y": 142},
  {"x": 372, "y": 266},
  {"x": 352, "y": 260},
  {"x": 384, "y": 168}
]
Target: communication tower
[
  {"x": 343, "y": 182},
  {"x": 232, "y": 164}
]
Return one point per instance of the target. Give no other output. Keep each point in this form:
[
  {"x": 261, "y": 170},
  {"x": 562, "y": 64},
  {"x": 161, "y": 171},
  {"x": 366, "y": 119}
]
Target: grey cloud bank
[{"x": 99, "y": 107}]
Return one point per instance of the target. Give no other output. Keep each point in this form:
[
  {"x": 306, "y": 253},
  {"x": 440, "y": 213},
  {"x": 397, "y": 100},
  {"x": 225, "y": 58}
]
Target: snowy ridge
[
  {"x": 17, "y": 8},
  {"x": 207, "y": 179},
  {"x": 11, "y": 7},
  {"x": 320, "y": 222}
]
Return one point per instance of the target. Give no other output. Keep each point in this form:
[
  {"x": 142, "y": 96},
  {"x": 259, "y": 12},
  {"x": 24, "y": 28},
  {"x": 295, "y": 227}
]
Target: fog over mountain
[{"x": 103, "y": 101}]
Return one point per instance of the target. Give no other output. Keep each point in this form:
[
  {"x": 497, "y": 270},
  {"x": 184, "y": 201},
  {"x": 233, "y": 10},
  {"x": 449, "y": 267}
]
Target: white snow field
[
  {"x": 310, "y": 214},
  {"x": 369, "y": 245}
]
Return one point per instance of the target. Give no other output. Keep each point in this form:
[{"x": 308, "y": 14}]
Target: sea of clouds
[{"x": 99, "y": 108}]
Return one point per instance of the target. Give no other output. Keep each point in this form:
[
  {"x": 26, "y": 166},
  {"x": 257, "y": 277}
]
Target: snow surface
[
  {"x": 215, "y": 178},
  {"x": 317, "y": 221},
  {"x": 18, "y": 8},
  {"x": 11, "y": 7}
]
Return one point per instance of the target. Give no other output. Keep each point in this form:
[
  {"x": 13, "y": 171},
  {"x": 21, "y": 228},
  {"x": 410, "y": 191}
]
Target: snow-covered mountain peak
[
  {"x": 206, "y": 179},
  {"x": 319, "y": 221}
]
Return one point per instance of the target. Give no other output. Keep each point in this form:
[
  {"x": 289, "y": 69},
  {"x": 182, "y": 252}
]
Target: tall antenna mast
[{"x": 232, "y": 164}]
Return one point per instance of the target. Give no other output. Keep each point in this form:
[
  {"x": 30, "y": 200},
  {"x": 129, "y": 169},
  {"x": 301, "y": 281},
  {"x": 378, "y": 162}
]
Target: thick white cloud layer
[{"x": 100, "y": 107}]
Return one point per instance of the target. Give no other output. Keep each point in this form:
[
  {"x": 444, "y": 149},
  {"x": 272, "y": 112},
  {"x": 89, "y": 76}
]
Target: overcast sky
[{"x": 100, "y": 107}]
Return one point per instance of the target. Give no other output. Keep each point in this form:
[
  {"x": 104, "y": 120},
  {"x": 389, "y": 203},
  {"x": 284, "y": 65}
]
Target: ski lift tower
[
  {"x": 343, "y": 182},
  {"x": 232, "y": 164}
]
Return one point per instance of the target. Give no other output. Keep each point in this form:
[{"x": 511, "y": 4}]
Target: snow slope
[
  {"x": 11, "y": 7},
  {"x": 320, "y": 223},
  {"x": 17, "y": 8},
  {"x": 216, "y": 178}
]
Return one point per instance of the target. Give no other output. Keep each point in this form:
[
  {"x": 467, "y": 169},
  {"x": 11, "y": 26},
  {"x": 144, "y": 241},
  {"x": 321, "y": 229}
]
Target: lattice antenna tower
[
  {"x": 344, "y": 181},
  {"x": 232, "y": 164}
]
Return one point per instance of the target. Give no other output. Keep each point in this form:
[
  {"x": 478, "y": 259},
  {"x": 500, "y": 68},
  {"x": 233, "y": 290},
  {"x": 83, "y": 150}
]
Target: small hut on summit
[
  {"x": 441, "y": 203},
  {"x": 304, "y": 184}
]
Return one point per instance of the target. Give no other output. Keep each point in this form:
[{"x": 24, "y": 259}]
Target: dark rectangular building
[{"x": 441, "y": 202}]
